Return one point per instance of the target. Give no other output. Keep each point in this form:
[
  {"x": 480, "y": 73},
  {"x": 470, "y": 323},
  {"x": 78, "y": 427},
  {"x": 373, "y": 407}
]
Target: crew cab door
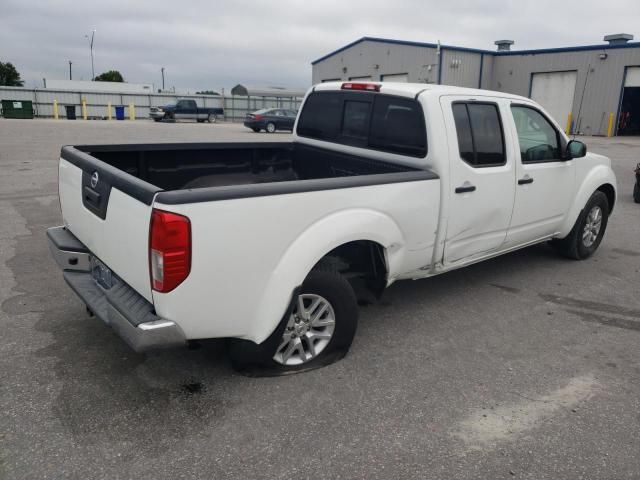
[
  {"x": 545, "y": 178},
  {"x": 186, "y": 109},
  {"x": 481, "y": 183}
]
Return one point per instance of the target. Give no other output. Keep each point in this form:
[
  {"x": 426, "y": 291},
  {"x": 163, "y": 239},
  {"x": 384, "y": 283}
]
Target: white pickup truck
[{"x": 271, "y": 244}]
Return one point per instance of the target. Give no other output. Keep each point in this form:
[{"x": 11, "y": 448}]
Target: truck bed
[
  {"x": 170, "y": 167},
  {"x": 107, "y": 192}
]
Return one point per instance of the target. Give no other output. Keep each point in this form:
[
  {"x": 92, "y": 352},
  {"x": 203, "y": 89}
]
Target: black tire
[
  {"x": 574, "y": 245},
  {"x": 211, "y": 118},
  {"x": 256, "y": 129},
  {"x": 636, "y": 193},
  {"x": 157, "y": 119},
  {"x": 199, "y": 120},
  {"x": 271, "y": 127},
  {"x": 258, "y": 360}
]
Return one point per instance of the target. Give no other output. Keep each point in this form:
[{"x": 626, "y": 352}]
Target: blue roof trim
[
  {"x": 477, "y": 50},
  {"x": 567, "y": 49},
  {"x": 399, "y": 42}
]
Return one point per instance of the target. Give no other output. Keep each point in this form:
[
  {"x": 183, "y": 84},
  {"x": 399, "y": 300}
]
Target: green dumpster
[{"x": 17, "y": 109}]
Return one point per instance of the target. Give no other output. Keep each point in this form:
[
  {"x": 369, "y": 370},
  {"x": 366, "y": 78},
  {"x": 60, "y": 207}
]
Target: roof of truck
[{"x": 413, "y": 89}]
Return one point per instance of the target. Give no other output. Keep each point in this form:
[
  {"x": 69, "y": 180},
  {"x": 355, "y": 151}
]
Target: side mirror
[{"x": 576, "y": 149}]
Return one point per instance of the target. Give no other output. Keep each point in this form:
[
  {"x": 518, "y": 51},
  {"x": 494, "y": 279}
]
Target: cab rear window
[{"x": 368, "y": 120}]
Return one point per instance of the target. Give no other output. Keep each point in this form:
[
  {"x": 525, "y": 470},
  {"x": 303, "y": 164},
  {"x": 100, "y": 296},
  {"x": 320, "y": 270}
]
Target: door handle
[
  {"x": 466, "y": 188},
  {"x": 527, "y": 179}
]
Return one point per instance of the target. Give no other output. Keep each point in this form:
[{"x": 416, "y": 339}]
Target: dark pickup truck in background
[{"x": 185, "y": 109}]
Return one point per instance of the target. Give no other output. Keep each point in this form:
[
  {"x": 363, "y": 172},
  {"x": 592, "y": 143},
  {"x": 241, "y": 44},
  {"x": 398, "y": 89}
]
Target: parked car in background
[
  {"x": 185, "y": 109},
  {"x": 270, "y": 120}
]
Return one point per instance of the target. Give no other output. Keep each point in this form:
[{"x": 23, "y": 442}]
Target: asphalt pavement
[{"x": 525, "y": 366}]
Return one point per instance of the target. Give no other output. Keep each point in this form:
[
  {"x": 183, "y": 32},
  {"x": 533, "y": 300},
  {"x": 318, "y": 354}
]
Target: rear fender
[{"x": 314, "y": 243}]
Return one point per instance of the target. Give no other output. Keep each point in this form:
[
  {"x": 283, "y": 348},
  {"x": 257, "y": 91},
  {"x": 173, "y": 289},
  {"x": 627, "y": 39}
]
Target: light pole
[
  {"x": 162, "y": 70},
  {"x": 93, "y": 73},
  {"x": 70, "y": 76}
]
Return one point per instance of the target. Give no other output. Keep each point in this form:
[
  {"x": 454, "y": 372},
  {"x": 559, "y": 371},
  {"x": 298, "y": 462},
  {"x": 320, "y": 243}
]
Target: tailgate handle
[{"x": 91, "y": 196}]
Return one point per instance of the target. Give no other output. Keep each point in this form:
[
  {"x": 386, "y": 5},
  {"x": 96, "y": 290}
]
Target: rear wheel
[
  {"x": 211, "y": 118},
  {"x": 316, "y": 331},
  {"x": 271, "y": 127},
  {"x": 636, "y": 193},
  {"x": 586, "y": 235}
]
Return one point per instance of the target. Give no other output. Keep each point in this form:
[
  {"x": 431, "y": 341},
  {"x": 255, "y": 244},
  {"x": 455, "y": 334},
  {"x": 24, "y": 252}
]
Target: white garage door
[
  {"x": 396, "y": 77},
  {"x": 633, "y": 77},
  {"x": 555, "y": 91}
]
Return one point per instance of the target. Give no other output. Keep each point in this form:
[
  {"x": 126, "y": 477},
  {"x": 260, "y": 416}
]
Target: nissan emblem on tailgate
[{"x": 94, "y": 179}]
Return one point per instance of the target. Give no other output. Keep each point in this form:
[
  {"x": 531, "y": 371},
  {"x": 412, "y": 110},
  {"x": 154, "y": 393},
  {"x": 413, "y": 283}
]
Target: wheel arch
[
  {"x": 349, "y": 231},
  {"x": 363, "y": 263},
  {"x": 610, "y": 191},
  {"x": 600, "y": 178}
]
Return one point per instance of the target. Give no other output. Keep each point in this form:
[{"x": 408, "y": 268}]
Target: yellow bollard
[
  {"x": 610, "y": 128},
  {"x": 55, "y": 109},
  {"x": 132, "y": 112},
  {"x": 84, "y": 108},
  {"x": 109, "y": 111},
  {"x": 567, "y": 129}
]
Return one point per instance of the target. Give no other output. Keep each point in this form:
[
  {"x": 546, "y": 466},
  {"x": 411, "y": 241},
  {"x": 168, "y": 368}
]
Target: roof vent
[
  {"x": 618, "y": 38},
  {"x": 504, "y": 45}
]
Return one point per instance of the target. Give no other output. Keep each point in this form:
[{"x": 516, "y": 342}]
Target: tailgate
[{"x": 109, "y": 211}]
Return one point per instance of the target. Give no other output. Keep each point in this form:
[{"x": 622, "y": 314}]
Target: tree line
[{"x": 10, "y": 77}]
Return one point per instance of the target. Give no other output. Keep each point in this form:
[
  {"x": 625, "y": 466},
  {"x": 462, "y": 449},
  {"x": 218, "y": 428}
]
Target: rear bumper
[
  {"x": 254, "y": 124},
  {"x": 155, "y": 115},
  {"x": 131, "y": 316}
]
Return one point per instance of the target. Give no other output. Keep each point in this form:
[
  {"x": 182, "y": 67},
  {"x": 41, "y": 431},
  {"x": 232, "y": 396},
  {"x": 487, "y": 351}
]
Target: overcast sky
[{"x": 213, "y": 44}]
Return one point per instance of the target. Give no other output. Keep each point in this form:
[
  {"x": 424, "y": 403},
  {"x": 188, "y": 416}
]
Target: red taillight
[
  {"x": 257, "y": 117},
  {"x": 369, "y": 87},
  {"x": 169, "y": 250}
]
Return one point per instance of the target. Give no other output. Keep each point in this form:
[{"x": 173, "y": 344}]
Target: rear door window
[
  {"x": 463, "y": 129},
  {"x": 369, "y": 120},
  {"x": 479, "y": 131}
]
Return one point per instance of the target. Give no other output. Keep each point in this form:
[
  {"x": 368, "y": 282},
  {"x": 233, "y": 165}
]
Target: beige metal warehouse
[{"x": 583, "y": 88}]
